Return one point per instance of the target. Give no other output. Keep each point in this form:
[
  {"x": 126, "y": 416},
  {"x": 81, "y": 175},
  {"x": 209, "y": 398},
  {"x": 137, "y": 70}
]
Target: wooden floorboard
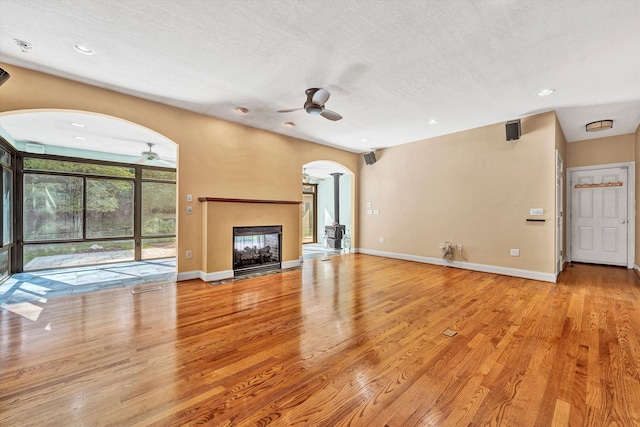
[{"x": 355, "y": 340}]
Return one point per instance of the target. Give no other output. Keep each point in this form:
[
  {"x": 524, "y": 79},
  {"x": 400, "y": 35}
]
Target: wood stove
[{"x": 256, "y": 249}]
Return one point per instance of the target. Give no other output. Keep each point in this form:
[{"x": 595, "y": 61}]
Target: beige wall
[
  {"x": 215, "y": 158},
  {"x": 601, "y": 151},
  {"x": 472, "y": 188}
]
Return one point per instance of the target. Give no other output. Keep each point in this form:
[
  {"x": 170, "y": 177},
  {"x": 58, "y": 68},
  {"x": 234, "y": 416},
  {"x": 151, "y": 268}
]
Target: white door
[{"x": 599, "y": 216}]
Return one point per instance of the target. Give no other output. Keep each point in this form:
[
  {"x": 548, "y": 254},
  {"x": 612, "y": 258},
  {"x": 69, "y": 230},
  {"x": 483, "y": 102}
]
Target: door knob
[{"x": 623, "y": 222}]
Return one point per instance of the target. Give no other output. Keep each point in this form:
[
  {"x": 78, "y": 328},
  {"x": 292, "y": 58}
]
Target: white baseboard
[
  {"x": 217, "y": 275},
  {"x": 526, "y": 274},
  {"x": 291, "y": 264},
  {"x": 188, "y": 275},
  {"x": 207, "y": 277},
  {"x": 636, "y": 267},
  {"x": 221, "y": 275}
]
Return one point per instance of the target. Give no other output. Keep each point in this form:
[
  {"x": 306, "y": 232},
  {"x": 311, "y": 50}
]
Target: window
[{"x": 85, "y": 213}]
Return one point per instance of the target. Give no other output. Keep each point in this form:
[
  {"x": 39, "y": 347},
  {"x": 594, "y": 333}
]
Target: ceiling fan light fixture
[
  {"x": 314, "y": 110},
  {"x": 599, "y": 125},
  {"x": 150, "y": 155},
  {"x": 85, "y": 50}
]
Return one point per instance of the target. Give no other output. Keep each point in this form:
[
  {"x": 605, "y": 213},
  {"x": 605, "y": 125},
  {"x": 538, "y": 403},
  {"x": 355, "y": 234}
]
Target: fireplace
[{"x": 256, "y": 249}]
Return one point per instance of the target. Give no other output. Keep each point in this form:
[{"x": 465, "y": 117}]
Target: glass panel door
[
  {"x": 158, "y": 220},
  {"x": 6, "y": 210},
  {"x": 309, "y": 208}
]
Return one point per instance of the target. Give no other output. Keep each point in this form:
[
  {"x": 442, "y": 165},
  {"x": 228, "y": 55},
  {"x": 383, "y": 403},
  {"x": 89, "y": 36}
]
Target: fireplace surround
[{"x": 256, "y": 249}]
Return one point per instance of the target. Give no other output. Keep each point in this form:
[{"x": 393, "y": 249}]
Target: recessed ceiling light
[
  {"x": 289, "y": 124},
  {"x": 599, "y": 125},
  {"x": 80, "y": 125},
  {"x": 365, "y": 140},
  {"x": 432, "y": 122},
  {"x": 83, "y": 49},
  {"x": 242, "y": 110},
  {"x": 545, "y": 92},
  {"x": 81, "y": 138}
]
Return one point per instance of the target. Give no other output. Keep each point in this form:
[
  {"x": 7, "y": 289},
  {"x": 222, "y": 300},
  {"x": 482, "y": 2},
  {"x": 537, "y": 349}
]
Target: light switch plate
[
  {"x": 368, "y": 204},
  {"x": 369, "y": 211},
  {"x": 189, "y": 198},
  {"x": 376, "y": 212},
  {"x": 536, "y": 211}
]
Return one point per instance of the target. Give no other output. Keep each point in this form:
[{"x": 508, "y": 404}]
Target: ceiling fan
[
  {"x": 150, "y": 155},
  {"x": 316, "y": 98}
]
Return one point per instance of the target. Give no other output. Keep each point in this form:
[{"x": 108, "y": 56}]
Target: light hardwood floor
[{"x": 355, "y": 340}]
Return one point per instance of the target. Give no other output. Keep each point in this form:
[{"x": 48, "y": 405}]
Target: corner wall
[
  {"x": 472, "y": 188},
  {"x": 636, "y": 146}
]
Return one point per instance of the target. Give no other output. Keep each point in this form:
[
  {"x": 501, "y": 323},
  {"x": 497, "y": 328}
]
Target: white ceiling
[{"x": 390, "y": 66}]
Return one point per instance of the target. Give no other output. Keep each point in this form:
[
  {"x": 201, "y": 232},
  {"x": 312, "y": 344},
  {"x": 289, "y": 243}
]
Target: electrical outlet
[
  {"x": 536, "y": 212},
  {"x": 189, "y": 210},
  {"x": 189, "y": 254},
  {"x": 369, "y": 211},
  {"x": 515, "y": 252},
  {"x": 382, "y": 240},
  {"x": 376, "y": 212},
  {"x": 368, "y": 204},
  {"x": 189, "y": 198}
]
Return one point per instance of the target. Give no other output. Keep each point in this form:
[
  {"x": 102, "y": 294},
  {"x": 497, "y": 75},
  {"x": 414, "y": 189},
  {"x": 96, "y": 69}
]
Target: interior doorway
[
  {"x": 601, "y": 214},
  {"x": 309, "y": 213},
  {"x": 322, "y": 193}
]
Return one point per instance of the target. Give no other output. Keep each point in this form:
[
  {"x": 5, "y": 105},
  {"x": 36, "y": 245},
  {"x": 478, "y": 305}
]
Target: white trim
[
  {"x": 631, "y": 206},
  {"x": 291, "y": 264},
  {"x": 636, "y": 267},
  {"x": 188, "y": 275},
  {"x": 526, "y": 274},
  {"x": 216, "y": 275},
  {"x": 224, "y": 274}
]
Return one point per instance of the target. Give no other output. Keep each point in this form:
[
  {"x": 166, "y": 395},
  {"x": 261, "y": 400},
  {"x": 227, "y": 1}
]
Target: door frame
[
  {"x": 560, "y": 257},
  {"x": 631, "y": 205}
]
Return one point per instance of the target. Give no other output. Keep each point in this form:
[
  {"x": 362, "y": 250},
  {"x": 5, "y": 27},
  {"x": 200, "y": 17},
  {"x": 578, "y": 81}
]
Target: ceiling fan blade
[
  {"x": 290, "y": 111},
  {"x": 331, "y": 115},
  {"x": 320, "y": 96}
]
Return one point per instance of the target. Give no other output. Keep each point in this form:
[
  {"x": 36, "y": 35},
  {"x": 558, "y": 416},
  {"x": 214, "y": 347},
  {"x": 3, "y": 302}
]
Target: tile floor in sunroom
[{"x": 44, "y": 284}]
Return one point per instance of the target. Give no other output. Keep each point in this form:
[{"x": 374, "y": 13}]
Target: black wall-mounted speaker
[
  {"x": 513, "y": 130},
  {"x": 370, "y": 158},
  {"x": 4, "y": 76}
]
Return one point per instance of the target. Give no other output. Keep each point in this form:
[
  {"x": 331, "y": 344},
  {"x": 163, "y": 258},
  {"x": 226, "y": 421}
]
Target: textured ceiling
[{"x": 390, "y": 66}]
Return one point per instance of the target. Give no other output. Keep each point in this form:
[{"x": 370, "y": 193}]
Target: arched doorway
[
  {"x": 326, "y": 186},
  {"x": 90, "y": 189}
]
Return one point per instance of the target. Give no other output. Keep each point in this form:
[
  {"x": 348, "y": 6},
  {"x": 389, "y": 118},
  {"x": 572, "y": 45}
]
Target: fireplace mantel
[{"x": 226, "y": 200}]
